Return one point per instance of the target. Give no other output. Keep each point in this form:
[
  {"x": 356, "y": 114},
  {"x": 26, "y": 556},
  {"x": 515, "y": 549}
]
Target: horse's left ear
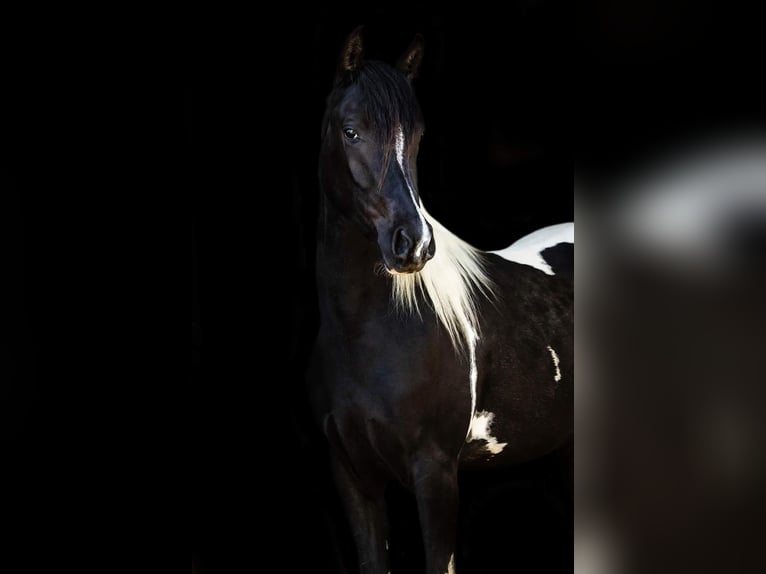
[
  {"x": 409, "y": 63},
  {"x": 351, "y": 56}
]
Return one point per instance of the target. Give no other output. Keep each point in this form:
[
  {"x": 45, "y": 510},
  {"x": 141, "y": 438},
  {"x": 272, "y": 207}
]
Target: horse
[{"x": 431, "y": 356}]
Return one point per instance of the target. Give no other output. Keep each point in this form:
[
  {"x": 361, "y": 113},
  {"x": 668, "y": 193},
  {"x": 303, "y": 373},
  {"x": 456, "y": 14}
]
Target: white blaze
[
  {"x": 481, "y": 427},
  {"x": 425, "y": 236},
  {"x": 451, "y": 565},
  {"x": 555, "y": 357}
]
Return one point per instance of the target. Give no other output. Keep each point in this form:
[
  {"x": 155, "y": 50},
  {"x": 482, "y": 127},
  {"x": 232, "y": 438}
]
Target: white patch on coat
[
  {"x": 555, "y": 357},
  {"x": 481, "y": 427},
  {"x": 473, "y": 372},
  {"x": 685, "y": 210},
  {"x": 451, "y": 565},
  {"x": 527, "y": 250}
]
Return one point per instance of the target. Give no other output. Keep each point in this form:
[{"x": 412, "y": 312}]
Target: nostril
[
  {"x": 402, "y": 243},
  {"x": 431, "y": 249}
]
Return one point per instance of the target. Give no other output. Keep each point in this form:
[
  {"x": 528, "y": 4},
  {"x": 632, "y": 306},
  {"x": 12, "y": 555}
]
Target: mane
[{"x": 451, "y": 283}]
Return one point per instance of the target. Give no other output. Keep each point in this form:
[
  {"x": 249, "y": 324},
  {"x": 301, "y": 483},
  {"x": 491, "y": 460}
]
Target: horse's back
[{"x": 549, "y": 249}]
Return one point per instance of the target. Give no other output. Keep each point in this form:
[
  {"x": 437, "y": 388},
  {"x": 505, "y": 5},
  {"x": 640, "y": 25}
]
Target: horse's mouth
[{"x": 405, "y": 269}]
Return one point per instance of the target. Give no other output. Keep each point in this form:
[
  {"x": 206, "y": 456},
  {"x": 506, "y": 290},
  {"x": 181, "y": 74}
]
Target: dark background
[
  {"x": 103, "y": 154},
  {"x": 654, "y": 78}
]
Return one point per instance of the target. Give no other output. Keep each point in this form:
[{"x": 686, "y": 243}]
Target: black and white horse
[{"x": 431, "y": 355}]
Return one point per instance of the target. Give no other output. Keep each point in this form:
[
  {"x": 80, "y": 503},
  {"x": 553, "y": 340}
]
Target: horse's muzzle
[{"x": 410, "y": 254}]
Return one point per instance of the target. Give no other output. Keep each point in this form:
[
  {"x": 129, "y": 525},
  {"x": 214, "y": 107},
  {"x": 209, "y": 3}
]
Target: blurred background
[{"x": 670, "y": 197}]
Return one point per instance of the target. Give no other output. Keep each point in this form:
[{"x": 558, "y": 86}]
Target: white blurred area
[
  {"x": 671, "y": 364},
  {"x": 691, "y": 212}
]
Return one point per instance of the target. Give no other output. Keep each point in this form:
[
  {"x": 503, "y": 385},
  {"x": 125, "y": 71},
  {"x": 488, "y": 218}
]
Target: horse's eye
[{"x": 350, "y": 133}]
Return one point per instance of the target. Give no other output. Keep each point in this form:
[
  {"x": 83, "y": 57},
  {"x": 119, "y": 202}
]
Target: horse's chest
[
  {"x": 385, "y": 361},
  {"x": 384, "y": 399}
]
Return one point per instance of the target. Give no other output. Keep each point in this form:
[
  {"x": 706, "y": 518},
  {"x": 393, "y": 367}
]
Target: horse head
[{"x": 371, "y": 133}]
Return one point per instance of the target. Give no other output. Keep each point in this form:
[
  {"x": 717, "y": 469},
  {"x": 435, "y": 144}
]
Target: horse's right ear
[
  {"x": 409, "y": 63},
  {"x": 351, "y": 56}
]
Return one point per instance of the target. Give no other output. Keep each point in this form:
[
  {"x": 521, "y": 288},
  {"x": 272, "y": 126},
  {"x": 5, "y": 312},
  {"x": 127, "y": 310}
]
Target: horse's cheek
[{"x": 361, "y": 172}]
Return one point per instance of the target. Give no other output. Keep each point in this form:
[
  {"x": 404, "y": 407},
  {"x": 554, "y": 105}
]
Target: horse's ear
[
  {"x": 409, "y": 63},
  {"x": 352, "y": 54}
]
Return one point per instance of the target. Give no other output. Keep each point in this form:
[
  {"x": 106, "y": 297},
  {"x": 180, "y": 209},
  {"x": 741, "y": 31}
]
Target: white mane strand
[{"x": 451, "y": 282}]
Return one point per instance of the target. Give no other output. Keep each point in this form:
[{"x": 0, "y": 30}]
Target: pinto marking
[
  {"x": 472, "y": 373},
  {"x": 481, "y": 425},
  {"x": 555, "y": 357},
  {"x": 528, "y": 249}
]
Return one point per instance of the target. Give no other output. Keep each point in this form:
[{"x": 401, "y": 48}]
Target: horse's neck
[{"x": 350, "y": 281}]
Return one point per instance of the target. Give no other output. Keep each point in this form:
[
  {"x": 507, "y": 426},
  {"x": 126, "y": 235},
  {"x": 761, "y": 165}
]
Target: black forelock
[{"x": 388, "y": 99}]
